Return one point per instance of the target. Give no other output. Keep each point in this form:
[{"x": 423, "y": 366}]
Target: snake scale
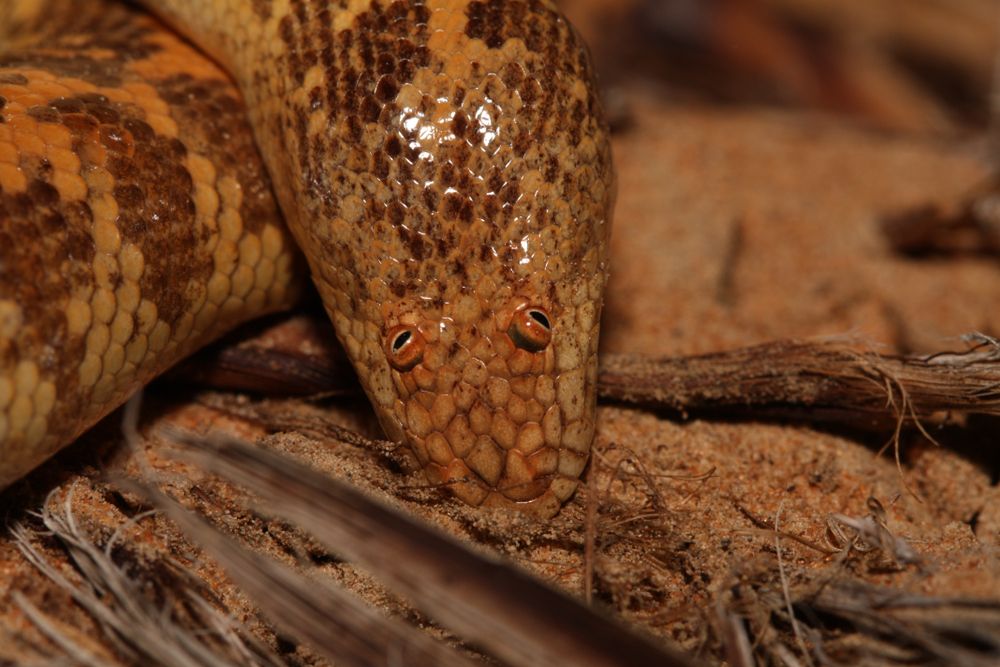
[{"x": 443, "y": 165}]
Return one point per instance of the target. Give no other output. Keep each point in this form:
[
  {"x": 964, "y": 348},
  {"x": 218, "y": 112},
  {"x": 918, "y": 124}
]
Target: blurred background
[
  {"x": 799, "y": 168},
  {"x": 907, "y": 65}
]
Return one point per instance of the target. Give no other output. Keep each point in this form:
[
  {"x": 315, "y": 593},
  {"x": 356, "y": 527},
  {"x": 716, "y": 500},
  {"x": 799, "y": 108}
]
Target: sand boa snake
[{"x": 443, "y": 164}]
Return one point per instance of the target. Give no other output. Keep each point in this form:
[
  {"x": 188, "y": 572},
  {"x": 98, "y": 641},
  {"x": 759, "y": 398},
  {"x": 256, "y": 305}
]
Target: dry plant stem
[
  {"x": 485, "y": 601},
  {"x": 339, "y": 625},
  {"x": 590, "y": 538},
  {"x": 786, "y": 593},
  {"x": 828, "y": 377}
]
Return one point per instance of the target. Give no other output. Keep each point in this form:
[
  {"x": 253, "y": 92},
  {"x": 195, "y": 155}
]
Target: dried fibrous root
[{"x": 169, "y": 623}]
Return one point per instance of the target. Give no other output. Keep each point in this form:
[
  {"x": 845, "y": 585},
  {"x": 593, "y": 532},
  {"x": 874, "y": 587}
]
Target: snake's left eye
[
  {"x": 531, "y": 329},
  {"x": 404, "y": 347}
]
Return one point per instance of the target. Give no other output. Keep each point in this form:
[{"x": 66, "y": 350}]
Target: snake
[{"x": 440, "y": 169}]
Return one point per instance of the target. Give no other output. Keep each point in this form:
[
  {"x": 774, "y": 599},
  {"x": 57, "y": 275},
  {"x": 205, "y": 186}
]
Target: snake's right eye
[{"x": 404, "y": 347}]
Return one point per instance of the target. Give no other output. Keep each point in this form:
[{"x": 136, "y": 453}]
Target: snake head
[{"x": 463, "y": 192}]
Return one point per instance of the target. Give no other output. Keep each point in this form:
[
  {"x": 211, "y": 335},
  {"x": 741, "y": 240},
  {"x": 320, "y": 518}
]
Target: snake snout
[{"x": 492, "y": 408}]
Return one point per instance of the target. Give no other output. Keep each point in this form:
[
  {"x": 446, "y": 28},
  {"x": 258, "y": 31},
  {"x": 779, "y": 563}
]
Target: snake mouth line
[
  {"x": 542, "y": 496},
  {"x": 540, "y": 491}
]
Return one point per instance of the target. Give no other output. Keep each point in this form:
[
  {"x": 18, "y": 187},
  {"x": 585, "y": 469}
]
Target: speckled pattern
[
  {"x": 445, "y": 166},
  {"x": 131, "y": 231}
]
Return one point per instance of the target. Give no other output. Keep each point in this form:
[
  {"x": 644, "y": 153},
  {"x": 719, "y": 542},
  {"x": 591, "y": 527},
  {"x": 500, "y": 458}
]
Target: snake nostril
[
  {"x": 404, "y": 347},
  {"x": 531, "y": 329}
]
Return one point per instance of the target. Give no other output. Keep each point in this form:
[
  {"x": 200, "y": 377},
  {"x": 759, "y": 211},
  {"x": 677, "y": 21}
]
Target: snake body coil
[{"x": 443, "y": 164}]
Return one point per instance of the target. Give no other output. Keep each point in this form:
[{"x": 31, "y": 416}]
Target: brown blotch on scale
[
  {"x": 262, "y": 8},
  {"x": 393, "y": 146},
  {"x": 216, "y": 127},
  {"x": 43, "y": 114},
  {"x": 39, "y": 231},
  {"x": 366, "y": 64}
]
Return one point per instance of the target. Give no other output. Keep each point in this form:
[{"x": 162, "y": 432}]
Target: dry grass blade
[
  {"x": 326, "y": 617},
  {"x": 145, "y": 630},
  {"x": 814, "y": 376},
  {"x": 485, "y": 601},
  {"x": 75, "y": 654}
]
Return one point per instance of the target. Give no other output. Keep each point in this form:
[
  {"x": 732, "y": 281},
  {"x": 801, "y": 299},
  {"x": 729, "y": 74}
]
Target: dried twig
[{"x": 827, "y": 379}]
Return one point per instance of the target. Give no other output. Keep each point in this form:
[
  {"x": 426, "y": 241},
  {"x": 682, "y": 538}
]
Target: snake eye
[
  {"x": 531, "y": 329},
  {"x": 404, "y": 347}
]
